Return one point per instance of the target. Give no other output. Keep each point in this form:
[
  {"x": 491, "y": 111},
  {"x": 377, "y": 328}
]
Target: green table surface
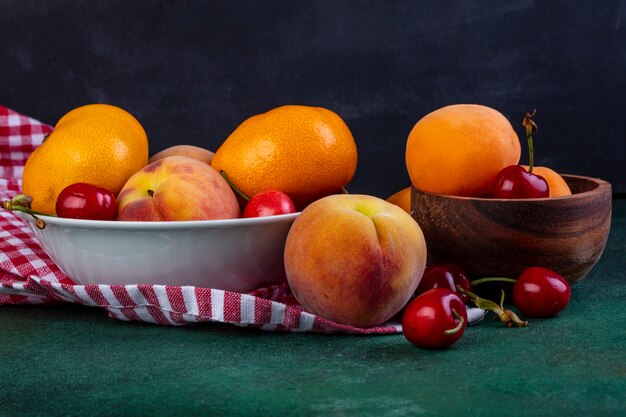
[{"x": 74, "y": 360}]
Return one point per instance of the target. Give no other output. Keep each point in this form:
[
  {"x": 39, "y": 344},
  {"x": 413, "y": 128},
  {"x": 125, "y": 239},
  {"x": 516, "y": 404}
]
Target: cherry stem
[
  {"x": 458, "y": 326},
  {"x": 508, "y": 317},
  {"x": 20, "y": 203},
  {"x": 531, "y": 127},
  {"x": 530, "y": 152},
  {"x": 235, "y": 189},
  {"x": 492, "y": 279}
]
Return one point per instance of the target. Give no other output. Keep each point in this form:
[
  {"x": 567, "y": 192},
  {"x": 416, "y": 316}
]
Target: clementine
[
  {"x": 306, "y": 152},
  {"x": 402, "y": 199},
  {"x": 459, "y": 150},
  {"x": 556, "y": 184},
  {"x": 97, "y": 144}
]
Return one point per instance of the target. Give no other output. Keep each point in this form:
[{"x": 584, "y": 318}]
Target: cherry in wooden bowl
[{"x": 502, "y": 237}]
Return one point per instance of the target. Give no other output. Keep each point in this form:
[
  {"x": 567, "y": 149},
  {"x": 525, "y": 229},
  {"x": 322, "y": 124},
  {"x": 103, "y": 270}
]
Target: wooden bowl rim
[{"x": 602, "y": 187}]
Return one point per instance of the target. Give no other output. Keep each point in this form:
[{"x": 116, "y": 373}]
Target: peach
[
  {"x": 177, "y": 188},
  {"x": 189, "y": 151},
  {"x": 354, "y": 259}
]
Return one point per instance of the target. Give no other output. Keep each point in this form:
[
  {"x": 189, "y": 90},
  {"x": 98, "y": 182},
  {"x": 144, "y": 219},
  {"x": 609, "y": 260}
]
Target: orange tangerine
[
  {"x": 306, "y": 152},
  {"x": 97, "y": 144},
  {"x": 402, "y": 199}
]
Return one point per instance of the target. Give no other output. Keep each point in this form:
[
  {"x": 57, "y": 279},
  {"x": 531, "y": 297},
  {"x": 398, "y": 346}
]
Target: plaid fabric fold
[
  {"x": 29, "y": 276},
  {"x": 176, "y": 306}
]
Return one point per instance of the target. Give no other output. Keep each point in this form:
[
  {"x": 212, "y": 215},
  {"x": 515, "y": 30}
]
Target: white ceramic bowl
[{"x": 235, "y": 254}]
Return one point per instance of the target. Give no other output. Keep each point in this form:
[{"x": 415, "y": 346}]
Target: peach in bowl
[
  {"x": 502, "y": 237},
  {"x": 231, "y": 254}
]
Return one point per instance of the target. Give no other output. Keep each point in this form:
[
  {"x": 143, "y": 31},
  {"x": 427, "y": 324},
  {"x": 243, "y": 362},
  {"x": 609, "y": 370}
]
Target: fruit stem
[
  {"x": 235, "y": 189},
  {"x": 531, "y": 127},
  {"x": 21, "y": 202},
  {"x": 492, "y": 279},
  {"x": 458, "y": 326},
  {"x": 508, "y": 317}
]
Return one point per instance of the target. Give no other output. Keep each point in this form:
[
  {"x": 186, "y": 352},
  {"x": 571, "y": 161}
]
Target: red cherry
[
  {"x": 86, "y": 201},
  {"x": 444, "y": 275},
  {"x": 515, "y": 182},
  {"x": 540, "y": 292},
  {"x": 269, "y": 203},
  {"x": 435, "y": 319}
]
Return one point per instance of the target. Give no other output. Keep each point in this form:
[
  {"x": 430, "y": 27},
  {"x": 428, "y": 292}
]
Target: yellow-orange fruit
[
  {"x": 459, "y": 150},
  {"x": 97, "y": 144},
  {"x": 306, "y": 152},
  {"x": 402, "y": 199}
]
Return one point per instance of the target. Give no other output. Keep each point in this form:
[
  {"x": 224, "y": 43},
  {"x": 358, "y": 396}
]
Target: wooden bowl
[{"x": 499, "y": 237}]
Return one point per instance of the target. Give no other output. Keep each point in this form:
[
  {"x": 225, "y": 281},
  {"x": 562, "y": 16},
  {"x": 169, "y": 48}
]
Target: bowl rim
[
  {"x": 602, "y": 185},
  {"x": 158, "y": 225}
]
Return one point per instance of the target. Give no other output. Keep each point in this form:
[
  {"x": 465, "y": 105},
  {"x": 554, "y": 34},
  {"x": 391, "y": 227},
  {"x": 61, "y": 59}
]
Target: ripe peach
[
  {"x": 189, "y": 151},
  {"x": 177, "y": 188},
  {"x": 354, "y": 259}
]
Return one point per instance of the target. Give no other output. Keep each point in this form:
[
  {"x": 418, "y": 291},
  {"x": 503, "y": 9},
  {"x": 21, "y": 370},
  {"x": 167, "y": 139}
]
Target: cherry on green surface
[
  {"x": 537, "y": 292},
  {"x": 444, "y": 275},
  {"x": 541, "y": 292},
  {"x": 435, "y": 319}
]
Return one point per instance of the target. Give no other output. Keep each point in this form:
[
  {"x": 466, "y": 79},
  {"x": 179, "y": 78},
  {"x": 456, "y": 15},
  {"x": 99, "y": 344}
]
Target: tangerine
[
  {"x": 305, "y": 152},
  {"x": 402, "y": 199},
  {"x": 459, "y": 149},
  {"x": 98, "y": 144}
]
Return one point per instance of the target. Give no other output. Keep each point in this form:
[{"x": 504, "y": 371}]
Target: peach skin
[
  {"x": 177, "y": 188},
  {"x": 189, "y": 151},
  {"x": 354, "y": 259}
]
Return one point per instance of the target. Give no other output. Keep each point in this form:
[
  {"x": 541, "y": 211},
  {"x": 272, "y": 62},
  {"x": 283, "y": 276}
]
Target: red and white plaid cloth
[{"x": 29, "y": 276}]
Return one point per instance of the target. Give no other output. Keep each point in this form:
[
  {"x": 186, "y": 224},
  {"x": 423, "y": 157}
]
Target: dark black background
[{"x": 191, "y": 71}]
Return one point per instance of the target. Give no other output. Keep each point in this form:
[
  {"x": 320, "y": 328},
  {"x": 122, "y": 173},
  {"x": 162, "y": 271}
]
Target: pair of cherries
[
  {"x": 437, "y": 317},
  {"x": 514, "y": 181}
]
